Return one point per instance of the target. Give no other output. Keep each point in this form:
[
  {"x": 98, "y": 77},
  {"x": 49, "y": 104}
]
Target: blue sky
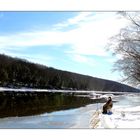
[{"x": 72, "y": 41}]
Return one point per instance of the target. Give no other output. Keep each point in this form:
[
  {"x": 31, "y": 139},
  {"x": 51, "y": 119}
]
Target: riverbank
[
  {"x": 2, "y": 89},
  {"x": 125, "y": 115}
]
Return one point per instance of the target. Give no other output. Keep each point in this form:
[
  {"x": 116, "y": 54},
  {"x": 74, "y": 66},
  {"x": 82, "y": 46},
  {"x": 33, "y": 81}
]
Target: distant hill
[{"x": 17, "y": 73}]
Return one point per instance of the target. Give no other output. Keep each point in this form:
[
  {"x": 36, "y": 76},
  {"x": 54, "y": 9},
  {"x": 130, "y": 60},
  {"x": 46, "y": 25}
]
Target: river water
[{"x": 54, "y": 110}]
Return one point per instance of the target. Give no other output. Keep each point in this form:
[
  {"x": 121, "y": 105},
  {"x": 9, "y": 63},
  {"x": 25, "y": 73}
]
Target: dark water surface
[{"x": 32, "y": 103}]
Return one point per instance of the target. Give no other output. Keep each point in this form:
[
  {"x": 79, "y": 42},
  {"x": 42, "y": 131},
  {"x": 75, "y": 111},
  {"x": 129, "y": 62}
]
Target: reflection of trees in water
[{"x": 24, "y": 104}]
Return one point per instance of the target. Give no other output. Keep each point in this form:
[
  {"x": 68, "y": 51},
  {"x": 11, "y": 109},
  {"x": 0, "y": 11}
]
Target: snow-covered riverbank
[
  {"x": 126, "y": 114},
  {"x": 63, "y": 91}
]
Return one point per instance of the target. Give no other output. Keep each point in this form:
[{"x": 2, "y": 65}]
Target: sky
[{"x": 71, "y": 41}]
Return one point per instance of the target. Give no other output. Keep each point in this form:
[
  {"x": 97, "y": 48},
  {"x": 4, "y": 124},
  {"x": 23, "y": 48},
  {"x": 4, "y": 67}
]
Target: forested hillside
[{"x": 17, "y": 73}]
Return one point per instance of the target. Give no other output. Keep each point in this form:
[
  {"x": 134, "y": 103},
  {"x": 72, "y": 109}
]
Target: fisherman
[{"x": 107, "y": 107}]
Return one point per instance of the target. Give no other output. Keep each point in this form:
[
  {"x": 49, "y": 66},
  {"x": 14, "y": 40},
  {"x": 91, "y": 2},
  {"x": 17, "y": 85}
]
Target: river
[{"x": 53, "y": 110}]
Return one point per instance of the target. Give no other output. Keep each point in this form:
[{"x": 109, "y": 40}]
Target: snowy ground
[
  {"x": 121, "y": 118},
  {"x": 64, "y": 91},
  {"x": 126, "y": 114}
]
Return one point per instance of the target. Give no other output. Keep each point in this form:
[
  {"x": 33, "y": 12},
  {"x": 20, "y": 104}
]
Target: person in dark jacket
[{"x": 107, "y": 107}]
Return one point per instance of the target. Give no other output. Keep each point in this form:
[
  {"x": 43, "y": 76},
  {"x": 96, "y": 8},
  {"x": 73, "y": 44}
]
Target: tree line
[
  {"x": 21, "y": 73},
  {"x": 18, "y": 73}
]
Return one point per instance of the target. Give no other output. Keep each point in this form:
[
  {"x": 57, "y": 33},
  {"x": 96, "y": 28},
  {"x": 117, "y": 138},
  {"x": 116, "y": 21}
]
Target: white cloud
[
  {"x": 81, "y": 17},
  {"x": 83, "y": 59},
  {"x": 43, "y": 59},
  {"x": 89, "y": 37},
  {"x": 40, "y": 59},
  {"x": 92, "y": 37}
]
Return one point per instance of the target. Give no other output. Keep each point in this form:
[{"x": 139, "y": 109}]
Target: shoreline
[
  {"x": 64, "y": 91},
  {"x": 125, "y": 115}
]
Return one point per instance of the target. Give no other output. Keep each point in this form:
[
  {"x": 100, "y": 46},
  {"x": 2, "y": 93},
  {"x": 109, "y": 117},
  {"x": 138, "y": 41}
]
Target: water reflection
[{"x": 29, "y": 103}]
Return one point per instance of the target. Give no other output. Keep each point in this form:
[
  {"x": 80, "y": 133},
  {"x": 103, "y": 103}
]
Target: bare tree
[{"x": 127, "y": 44}]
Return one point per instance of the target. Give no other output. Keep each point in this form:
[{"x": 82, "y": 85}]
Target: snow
[
  {"x": 110, "y": 93},
  {"x": 126, "y": 114},
  {"x": 122, "y": 117}
]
